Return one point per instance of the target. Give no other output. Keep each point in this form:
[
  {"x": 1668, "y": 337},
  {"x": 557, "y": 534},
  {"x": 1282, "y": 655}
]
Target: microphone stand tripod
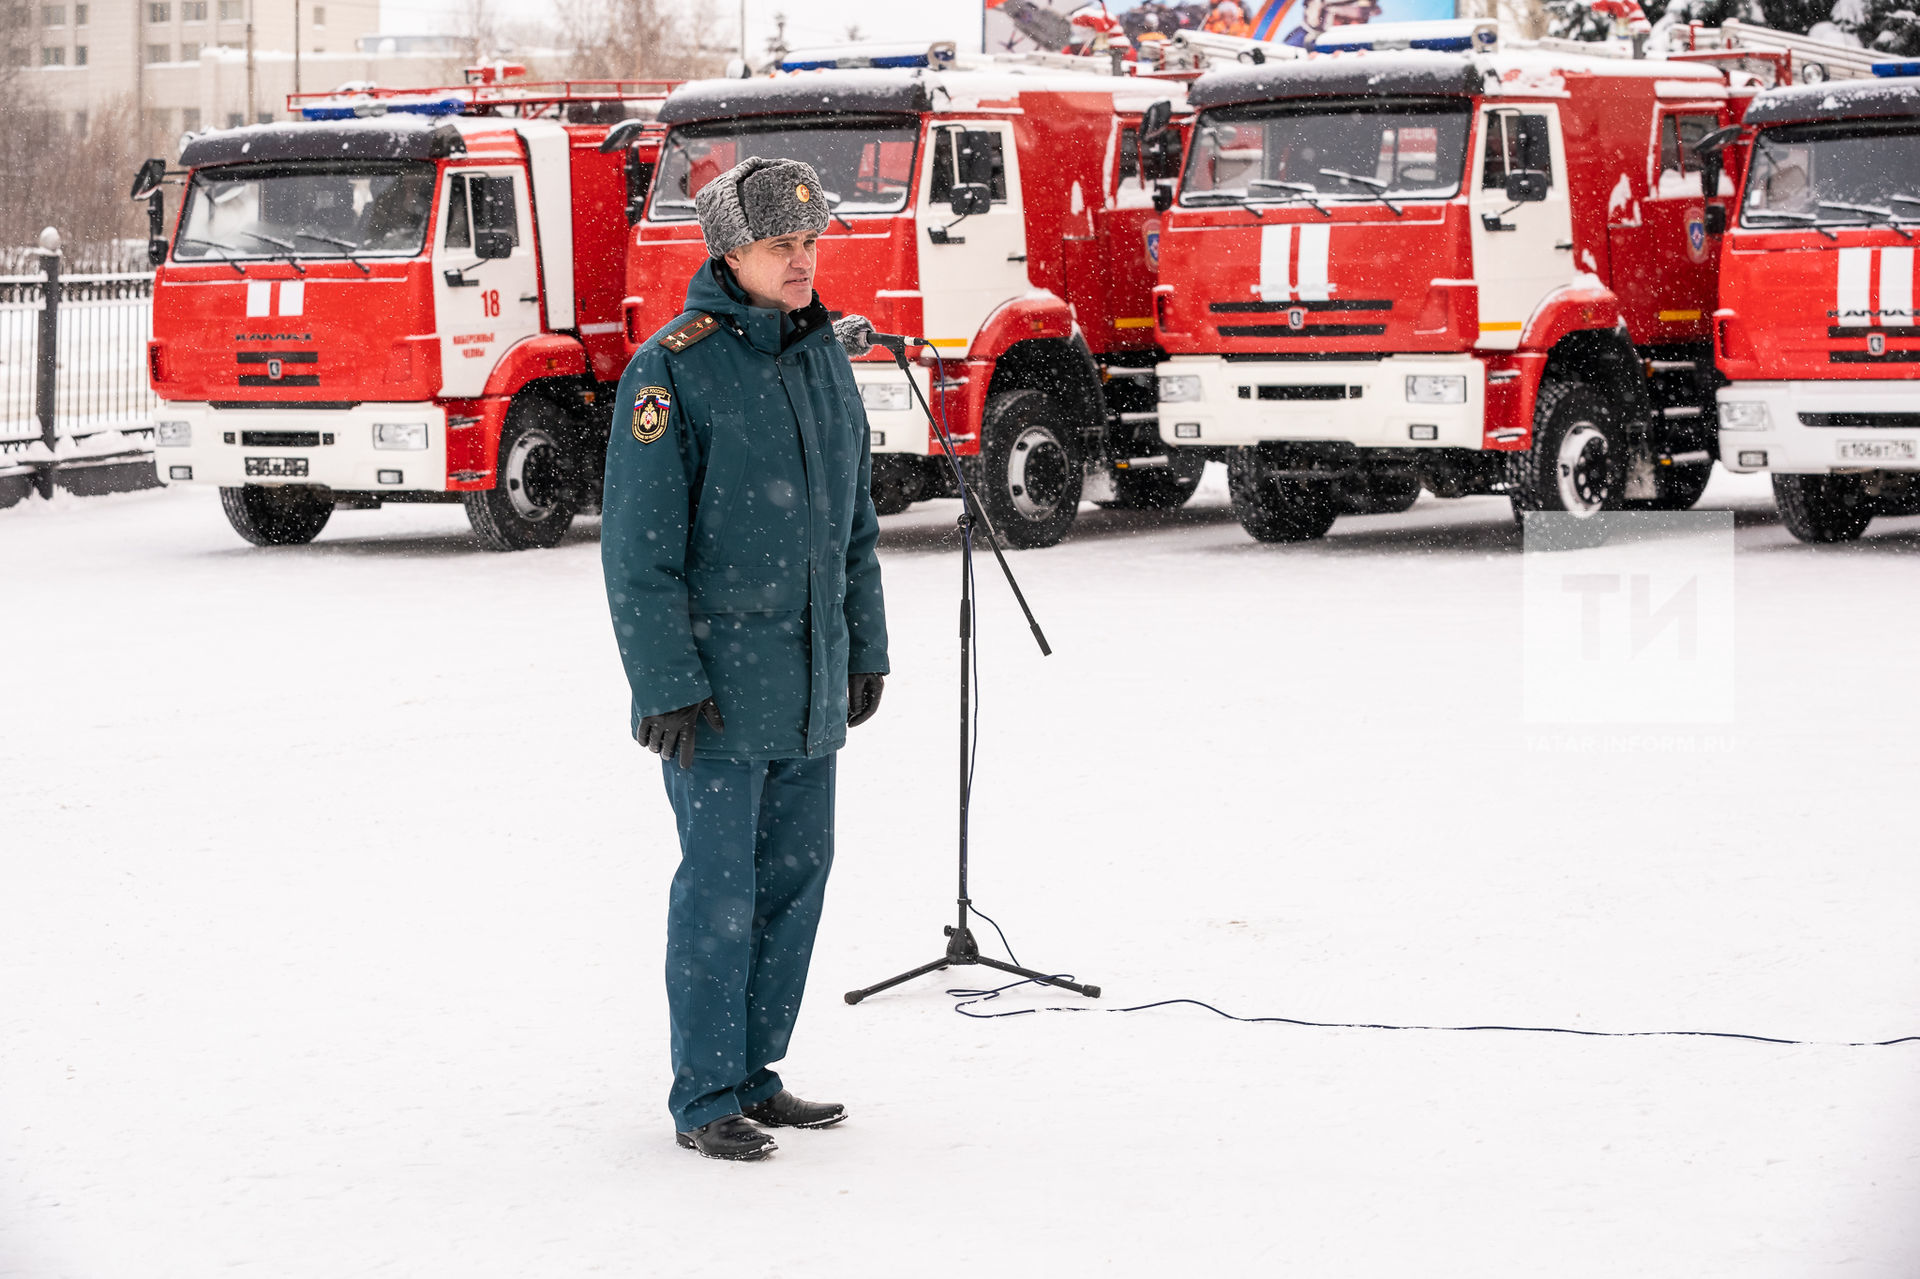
[{"x": 961, "y": 947}]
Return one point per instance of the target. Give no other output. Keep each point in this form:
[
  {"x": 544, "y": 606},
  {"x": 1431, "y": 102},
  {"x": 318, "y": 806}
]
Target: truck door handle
[
  {"x": 1016, "y": 257},
  {"x": 529, "y": 297},
  {"x": 456, "y": 280},
  {"x": 1565, "y": 246}
]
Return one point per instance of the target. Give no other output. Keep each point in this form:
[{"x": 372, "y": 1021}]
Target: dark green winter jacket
[{"x": 738, "y": 528}]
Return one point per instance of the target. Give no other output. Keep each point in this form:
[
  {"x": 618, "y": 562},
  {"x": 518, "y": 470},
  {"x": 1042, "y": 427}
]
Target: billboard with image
[{"x": 1056, "y": 26}]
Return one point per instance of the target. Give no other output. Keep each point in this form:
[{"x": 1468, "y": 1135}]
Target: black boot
[
  {"x": 728, "y": 1137},
  {"x": 784, "y": 1110}
]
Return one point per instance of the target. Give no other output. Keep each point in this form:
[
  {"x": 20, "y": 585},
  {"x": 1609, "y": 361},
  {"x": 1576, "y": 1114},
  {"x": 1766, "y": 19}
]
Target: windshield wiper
[
  {"x": 349, "y": 247},
  {"x": 1871, "y": 211},
  {"x": 286, "y": 248},
  {"x": 1299, "y": 191},
  {"x": 1807, "y": 218},
  {"x": 1225, "y": 197},
  {"x": 209, "y": 244},
  {"x": 833, "y": 209},
  {"x": 1373, "y": 186}
]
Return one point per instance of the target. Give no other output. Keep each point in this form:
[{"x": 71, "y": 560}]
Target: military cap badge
[
  {"x": 801, "y": 193},
  {"x": 650, "y": 410}
]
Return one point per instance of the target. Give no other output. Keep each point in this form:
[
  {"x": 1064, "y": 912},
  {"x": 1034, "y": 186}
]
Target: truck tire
[
  {"x": 897, "y": 483},
  {"x": 1158, "y": 488},
  {"x": 1278, "y": 508},
  {"x": 1577, "y": 458},
  {"x": 1384, "y": 493},
  {"x": 1029, "y": 469},
  {"x": 277, "y": 515},
  {"x": 534, "y": 495},
  {"x": 1823, "y": 508},
  {"x": 1680, "y": 489}
]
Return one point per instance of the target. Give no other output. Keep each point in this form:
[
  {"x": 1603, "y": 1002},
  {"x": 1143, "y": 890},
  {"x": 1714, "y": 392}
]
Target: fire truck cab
[
  {"x": 1815, "y": 330},
  {"x": 1002, "y": 209},
  {"x": 1466, "y": 270},
  {"x": 401, "y": 297}
]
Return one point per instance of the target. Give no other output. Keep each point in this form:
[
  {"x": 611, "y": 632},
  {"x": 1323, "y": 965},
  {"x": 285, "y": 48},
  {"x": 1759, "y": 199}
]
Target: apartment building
[{"x": 185, "y": 62}]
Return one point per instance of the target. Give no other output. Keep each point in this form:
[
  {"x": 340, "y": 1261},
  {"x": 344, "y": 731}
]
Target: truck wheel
[
  {"x": 277, "y": 515},
  {"x": 1823, "y": 508},
  {"x": 1274, "y": 508},
  {"x": 897, "y": 483},
  {"x": 534, "y": 498},
  {"x": 1576, "y": 460},
  {"x": 1385, "y": 493},
  {"x": 1030, "y": 469},
  {"x": 1680, "y": 488},
  {"x": 1158, "y": 488}
]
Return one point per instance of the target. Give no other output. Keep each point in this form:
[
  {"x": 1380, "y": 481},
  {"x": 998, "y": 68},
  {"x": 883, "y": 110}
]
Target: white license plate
[
  {"x": 295, "y": 466},
  {"x": 1878, "y": 451}
]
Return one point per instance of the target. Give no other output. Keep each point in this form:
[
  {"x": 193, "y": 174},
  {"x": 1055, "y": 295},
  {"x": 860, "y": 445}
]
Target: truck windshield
[
  {"x": 1834, "y": 174},
  {"x": 864, "y": 162},
  {"x": 1291, "y": 151},
  {"x": 309, "y": 211}
]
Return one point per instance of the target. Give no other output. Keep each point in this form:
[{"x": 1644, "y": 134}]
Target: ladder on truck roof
[
  {"x": 482, "y": 95},
  {"x": 1786, "y": 57}
]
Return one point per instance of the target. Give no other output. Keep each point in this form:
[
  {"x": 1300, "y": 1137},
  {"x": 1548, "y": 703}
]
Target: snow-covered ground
[{"x": 331, "y": 895}]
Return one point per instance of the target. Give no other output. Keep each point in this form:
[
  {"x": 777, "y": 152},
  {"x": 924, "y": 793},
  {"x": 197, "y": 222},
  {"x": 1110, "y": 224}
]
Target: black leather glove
[
  {"x": 863, "y": 696},
  {"x": 672, "y": 731},
  {"x": 855, "y": 333}
]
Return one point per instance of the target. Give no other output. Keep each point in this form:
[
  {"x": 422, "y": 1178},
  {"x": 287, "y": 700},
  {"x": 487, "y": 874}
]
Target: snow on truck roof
[
  {"x": 1837, "y": 100},
  {"x": 1423, "y": 74},
  {"x": 388, "y": 137},
  {"x": 883, "y": 90}
]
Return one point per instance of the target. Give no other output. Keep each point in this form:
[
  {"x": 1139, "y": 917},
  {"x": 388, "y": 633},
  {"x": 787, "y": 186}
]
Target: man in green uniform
[{"x": 738, "y": 545}]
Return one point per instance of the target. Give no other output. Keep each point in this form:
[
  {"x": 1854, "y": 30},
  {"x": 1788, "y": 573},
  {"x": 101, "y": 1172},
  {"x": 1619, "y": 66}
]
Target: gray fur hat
[{"x": 758, "y": 199}]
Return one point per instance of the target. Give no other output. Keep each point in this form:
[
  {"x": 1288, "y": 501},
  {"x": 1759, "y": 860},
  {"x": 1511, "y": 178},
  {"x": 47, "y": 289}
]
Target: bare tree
[
  {"x": 640, "y": 39},
  {"x": 57, "y": 171}
]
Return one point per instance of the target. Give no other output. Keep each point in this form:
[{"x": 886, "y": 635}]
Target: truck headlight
[
  {"x": 1436, "y": 388},
  {"x": 1180, "y": 388},
  {"x": 886, "y": 397},
  {"x": 1745, "y": 415},
  {"x": 173, "y": 435},
  {"x": 399, "y": 435}
]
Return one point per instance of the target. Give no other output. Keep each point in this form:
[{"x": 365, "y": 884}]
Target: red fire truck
[
  {"x": 400, "y": 297},
  {"x": 1003, "y": 209},
  {"x": 1474, "y": 272},
  {"x": 1816, "y": 323}
]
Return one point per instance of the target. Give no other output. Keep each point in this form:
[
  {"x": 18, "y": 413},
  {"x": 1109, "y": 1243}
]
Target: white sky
[{"x": 808, "y": 21}]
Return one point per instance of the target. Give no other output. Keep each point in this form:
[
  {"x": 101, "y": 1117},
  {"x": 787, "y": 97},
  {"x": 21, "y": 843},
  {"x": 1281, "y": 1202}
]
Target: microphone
[
  {"x": 895, "y": 342},
  {"x": 857, "y": 334}
]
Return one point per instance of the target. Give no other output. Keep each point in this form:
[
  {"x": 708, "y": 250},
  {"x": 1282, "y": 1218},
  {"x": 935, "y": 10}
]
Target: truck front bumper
[
  {"x": 337, "y": 448},
  {"x": 1812, "y": 427},
  {"x": 1362, "y": 402}
]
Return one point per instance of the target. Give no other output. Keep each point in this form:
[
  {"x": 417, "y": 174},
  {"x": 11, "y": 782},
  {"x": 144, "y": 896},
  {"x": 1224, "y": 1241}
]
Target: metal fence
[{"x": 73, "y": 372}]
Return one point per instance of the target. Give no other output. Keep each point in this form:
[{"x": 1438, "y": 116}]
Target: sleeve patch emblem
[{"x": 650, "y": 409}]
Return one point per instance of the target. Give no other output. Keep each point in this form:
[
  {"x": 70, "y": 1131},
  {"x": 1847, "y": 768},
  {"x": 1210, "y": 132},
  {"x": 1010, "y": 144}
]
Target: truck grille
[
  {"x": 1304, "y": 312},
  {"x": 1864, "y": 421},
  {"x": 282, "y": 439},
  {"x": 276, "y": 364}
]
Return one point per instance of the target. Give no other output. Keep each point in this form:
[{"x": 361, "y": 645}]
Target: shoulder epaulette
[{"x": 700, "y": 326}]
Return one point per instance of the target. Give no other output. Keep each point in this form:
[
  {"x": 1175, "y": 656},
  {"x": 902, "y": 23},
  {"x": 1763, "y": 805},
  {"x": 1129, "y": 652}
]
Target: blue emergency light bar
[
  {"x": 848, "y": 57},
  {"x": 1446, "y": 36},
  {"x": 1888, "y": 70},
  {"x": 360, "y": 110}
]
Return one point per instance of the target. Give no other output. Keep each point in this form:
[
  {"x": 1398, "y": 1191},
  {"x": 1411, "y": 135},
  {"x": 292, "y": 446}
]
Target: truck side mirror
[
  {"x": 621, "y": 135},
  {"x": 147, "y": 180},
  {"x": 496, "y": 224},
  {"x": 639, "y": 179},
  {"x": 1716, "y": 219},
  {"x": 1162, "y": 197},
  {"x": 970, "y": 198},
  {"x": 976, "y": 158},
  {"x": 146, "y": 186},
  {"x": 1156, "y": 120},
  {"x": 1527, "y": 186}
]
